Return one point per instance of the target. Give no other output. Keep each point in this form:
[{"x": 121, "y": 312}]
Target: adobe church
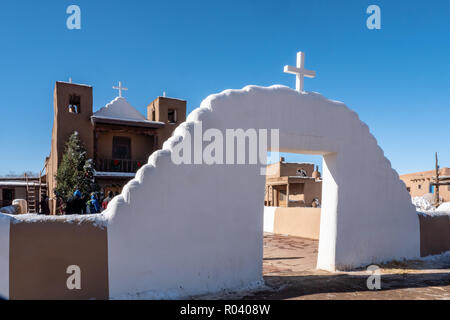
[{"x": 117, "y": 137}]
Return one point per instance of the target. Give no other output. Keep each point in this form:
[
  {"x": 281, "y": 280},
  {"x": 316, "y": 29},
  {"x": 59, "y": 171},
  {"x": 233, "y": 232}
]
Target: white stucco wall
[
  {"x": 189, "y": 229},
  {"x": 4, "y": 256},
  {"x": 269, "y": 218}
]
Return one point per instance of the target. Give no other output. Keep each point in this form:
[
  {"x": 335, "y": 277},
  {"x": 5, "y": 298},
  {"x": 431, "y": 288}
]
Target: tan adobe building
[
  {"x": 117, "y": 137},
  {"x": 292, "y": 185},
  {"x": 30, "y": 189},
  {"x": 421, "y": 183}
]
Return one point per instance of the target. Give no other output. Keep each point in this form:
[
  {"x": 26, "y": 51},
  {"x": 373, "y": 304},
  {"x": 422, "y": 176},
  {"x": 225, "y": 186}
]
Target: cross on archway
[
  {"x": 120, "y": 88},
  {"x": 300, "y": 71}
]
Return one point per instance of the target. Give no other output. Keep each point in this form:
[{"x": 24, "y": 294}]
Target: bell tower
[
  {"x": 72, "y": 104},
  {"x": 72, "y": 112}
]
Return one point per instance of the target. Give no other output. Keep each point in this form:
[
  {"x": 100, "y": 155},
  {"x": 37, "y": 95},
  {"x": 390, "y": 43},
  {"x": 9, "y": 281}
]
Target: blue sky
[{"x": 396, "y": 78}]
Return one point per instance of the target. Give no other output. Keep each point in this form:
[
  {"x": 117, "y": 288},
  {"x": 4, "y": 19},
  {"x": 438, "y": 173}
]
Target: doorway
[
  {"x": 292, "y": 213},
  {"x": 8, "y": 196}
]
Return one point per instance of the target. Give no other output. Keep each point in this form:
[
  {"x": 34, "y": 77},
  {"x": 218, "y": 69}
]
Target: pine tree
[{"x": 76, "y": 171}]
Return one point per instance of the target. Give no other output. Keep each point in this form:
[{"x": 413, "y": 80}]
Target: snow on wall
[
  {"x": 179, "y": 230},
  {"x": 4, "y": 256},
  {"x": 444, "y": 207}
]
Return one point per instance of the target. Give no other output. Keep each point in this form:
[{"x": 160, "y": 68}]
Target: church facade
[{"x": 117, "y": 137}]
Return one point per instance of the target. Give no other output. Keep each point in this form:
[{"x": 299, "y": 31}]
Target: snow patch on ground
[
  {"x": 443, "y": 256},
  {"x": 176, "y": 294}
]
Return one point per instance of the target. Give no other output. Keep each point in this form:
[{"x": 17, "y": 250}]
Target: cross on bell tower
[{"x": 300, "y": 71}]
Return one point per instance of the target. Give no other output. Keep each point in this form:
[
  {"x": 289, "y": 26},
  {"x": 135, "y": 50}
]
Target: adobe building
[
  {"x": 30, "y": 189},
  {"x": 292, "y": 185},
  {"x": 117, "y": 137},
  {"x": 421, "y": 183}
]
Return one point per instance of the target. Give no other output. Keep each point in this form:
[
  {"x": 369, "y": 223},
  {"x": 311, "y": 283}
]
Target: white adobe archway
[{"x": 180, "y": 230}]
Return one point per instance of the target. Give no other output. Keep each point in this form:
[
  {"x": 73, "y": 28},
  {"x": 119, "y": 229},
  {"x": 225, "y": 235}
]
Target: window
[
  {"x": 408, "y": 188},
  {"x": 121, "y": 148},
  {"x": 172, "y": 116},
  {"x": 153, "y": 114},
  {"x": 74, "y": 104},
  {"x": 419, "y": 186},
  {"x": 8, "y": 197}
]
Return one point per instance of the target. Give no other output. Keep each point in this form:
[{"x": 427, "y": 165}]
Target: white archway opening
[{"x": 326, "y": 161}]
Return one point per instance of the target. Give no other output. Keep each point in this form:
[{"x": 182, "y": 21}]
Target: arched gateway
[
  {"x": 195, "y": 228},
  {"x": 180, "y": 230}
]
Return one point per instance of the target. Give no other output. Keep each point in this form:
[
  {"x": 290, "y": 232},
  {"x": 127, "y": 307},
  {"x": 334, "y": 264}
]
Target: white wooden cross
[
  {"x": 300, "y": 71},
  {"x": 120, "y": 88}
]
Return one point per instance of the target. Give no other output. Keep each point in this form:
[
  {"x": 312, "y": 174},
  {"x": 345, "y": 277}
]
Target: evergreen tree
[{"x": 76, "y": 171}]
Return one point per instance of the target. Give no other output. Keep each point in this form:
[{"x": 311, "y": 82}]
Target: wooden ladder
[{"x": 31, "y": 196}]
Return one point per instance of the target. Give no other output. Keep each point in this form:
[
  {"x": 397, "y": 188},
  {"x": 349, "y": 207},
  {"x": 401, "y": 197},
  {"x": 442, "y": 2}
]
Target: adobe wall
[
  {"x": 434, "y": 234},
  {"x": 424, "y": 180},
  {"x": 313, "y": 189},
  {"x": 296, "y": 193},
  {"x": 161, "y": 105},
  {"x": 290, "y": 169},
  {"x": 35, "y": 253},
  {"x": 141, "y": 145},
  {"x": 273, "y": 170},
  {"x": 298, "y": 222}
]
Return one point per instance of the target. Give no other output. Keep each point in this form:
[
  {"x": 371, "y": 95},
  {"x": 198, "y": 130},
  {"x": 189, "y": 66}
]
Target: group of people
[{"x": 87, "y": 204}]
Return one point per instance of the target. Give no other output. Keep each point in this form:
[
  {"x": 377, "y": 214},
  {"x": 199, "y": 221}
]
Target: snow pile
[
  {"x": 445, "y": 207},
  {"x": 9, "y": 210},
  {"x": 423, "y": 204}
]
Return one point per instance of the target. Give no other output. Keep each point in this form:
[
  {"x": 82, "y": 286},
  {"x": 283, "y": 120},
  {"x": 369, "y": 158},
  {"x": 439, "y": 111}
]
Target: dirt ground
[{"x": 289, "y": 273}]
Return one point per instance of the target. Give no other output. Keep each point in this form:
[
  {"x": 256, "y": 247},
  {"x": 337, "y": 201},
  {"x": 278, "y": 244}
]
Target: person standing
[
  {"x": 94, "y": 206},
  {"x": 75, "y": 204},
  {"x": 59, "y": 204},
  {"x": 44, "y": 206},
  {"x": 107, "y": 200}
]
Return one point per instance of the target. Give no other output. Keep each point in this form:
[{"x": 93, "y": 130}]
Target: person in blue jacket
[{"x": 93, "y": 204}]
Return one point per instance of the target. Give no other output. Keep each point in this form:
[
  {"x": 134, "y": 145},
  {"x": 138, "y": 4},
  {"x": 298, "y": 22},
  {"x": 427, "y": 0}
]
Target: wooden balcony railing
[{"x": 118, "y": 165}]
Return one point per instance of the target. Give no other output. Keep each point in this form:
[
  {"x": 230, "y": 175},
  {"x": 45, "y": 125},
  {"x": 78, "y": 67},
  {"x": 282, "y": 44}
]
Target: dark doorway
[{"x": 8, "y": 197}]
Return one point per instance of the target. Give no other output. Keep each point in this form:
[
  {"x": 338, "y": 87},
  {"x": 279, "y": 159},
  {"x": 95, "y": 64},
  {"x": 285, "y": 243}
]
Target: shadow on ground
[{"x": 344, "y": 286}]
